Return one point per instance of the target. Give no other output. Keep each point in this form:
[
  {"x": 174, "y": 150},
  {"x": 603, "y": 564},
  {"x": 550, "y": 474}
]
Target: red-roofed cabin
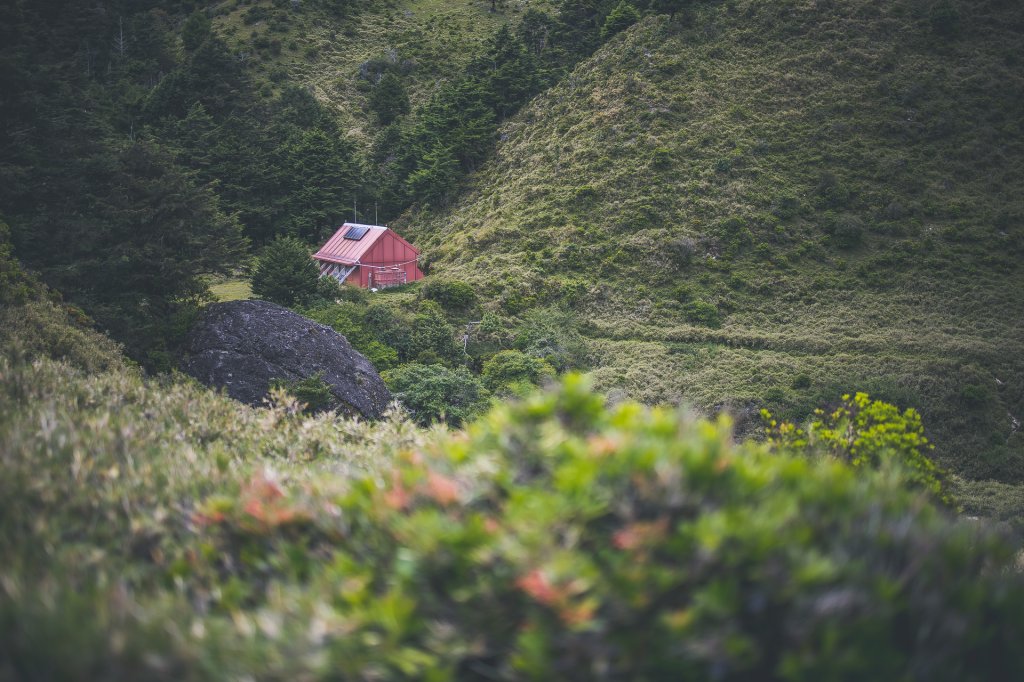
[{"x": 368, "y": 256}]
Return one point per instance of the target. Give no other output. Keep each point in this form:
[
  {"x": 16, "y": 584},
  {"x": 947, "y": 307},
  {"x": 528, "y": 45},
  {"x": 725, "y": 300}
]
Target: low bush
[
  {"x": 313, "y": 393},
  {"x": 451, "y": 295},
  {"x": 944, "y": 17},
  {"x": 433, "y": 336},
  {"x": 435, "y": 393},
  {"x": 703, "y": 313},
  {"x": 846, "y": 229},
  {"x": 867, "y": 433},
  {"x": 511, "y": 368},
  {"x": 561, "y": 540},
  {"x": 801, "y": 381},
  {"x": 34, "y": 324},
  {"x": 619, "y": 19},
  {"x": 682, "y": 250},
  {"x": 551, "y": 334}
]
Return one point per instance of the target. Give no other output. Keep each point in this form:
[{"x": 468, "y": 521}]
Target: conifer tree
[
  {"x": 196, "y": 30},
  {"x": 622, "y": 17},
  {"x": 670, "y": 7},
  {"x": 316, "y": 175},
  {"x": 510, "y": 71},
  {"x": 389, "y": 100},
  {"x": 285, "y": 274}
]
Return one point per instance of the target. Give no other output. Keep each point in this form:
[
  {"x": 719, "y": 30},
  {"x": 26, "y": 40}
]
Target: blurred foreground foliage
[{"x": 156, "y": 530}]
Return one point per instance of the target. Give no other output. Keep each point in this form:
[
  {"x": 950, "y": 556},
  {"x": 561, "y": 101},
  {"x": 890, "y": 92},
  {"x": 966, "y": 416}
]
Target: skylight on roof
[{"x": 356, "y": 233}]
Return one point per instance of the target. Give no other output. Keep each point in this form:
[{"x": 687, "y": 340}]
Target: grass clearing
[{"x": 232, "y": 290}]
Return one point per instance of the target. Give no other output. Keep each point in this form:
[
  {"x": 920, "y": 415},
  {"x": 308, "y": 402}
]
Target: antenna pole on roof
[
  {"x": 355, "y": 215},
  {"x": 375, "y": 213}
]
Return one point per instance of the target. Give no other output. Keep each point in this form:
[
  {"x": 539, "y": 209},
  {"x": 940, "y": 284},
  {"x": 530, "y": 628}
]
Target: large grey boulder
[{"x": 243, "y": 345}]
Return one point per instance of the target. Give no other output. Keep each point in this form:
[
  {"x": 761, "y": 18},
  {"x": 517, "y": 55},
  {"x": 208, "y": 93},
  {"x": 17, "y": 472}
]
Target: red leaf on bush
[
  {"x": 262, "y": 488},
  {"x": 536, "y": 584},
  {"x": 603, "y": 445},
  {"x": 254, "y": 508},
  {"x": 203, "y": 519},
  {"x": 641, "y": 533},
  {"x": 441, "y": 489},
  {"x": 397, "y": 497}
]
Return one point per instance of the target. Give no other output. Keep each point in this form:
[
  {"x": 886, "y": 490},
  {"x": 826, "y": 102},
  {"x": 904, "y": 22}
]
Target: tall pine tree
[{"x": 388, "y": 99}]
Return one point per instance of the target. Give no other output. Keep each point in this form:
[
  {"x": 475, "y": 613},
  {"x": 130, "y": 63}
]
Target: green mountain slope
[{"x": 771, "y": 203}]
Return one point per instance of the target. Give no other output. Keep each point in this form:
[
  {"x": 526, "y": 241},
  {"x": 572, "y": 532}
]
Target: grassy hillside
[
  {"x": 774, "y": 203},
  {"x": 36, "y": 324}
]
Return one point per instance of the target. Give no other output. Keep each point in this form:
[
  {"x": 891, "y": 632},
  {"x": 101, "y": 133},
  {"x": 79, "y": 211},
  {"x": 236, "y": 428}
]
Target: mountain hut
[{"x": 368, "y": 256}]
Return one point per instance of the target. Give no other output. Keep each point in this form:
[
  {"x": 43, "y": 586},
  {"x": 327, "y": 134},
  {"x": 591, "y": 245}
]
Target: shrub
[
  {"x": 44, "y": 329},
  {"x": 551, "y": 334},
  {"x": 944, "y": 18},
  {"x": 382, "y": 356},
  {"x": 390, "y": 328},
  {"x": 846, "y": 229},
  {"x": 785, "y": 206},
  {"x": 619, "y": 19},
  {"x": 870, "y": 434},
  {"x": 312, "y": 392},
  {"x": 196, "y": 30},
  {"x": 509, "y": 368},
  {"x": 432, "y": 334},
  {"x": 703, "y": 313},
  {"x": 832, "y": 190},
  {"x": 572, "y": 291},
  {"x": 388, "y": 100},
  {"x": 975, "y": 395},
  {"x": 34, "y": 324},
  {"x": 16, "y": 285},
  {"x": 801, "y": 381},
  {"x": 585, "y": 193},
  {"x": 558, "y": 539},
  {"x": 661, "y": 158},
  {"x": 433, "y": 392},
  {"x": 451, "y": 295},
  {"x": 254, "y": 15},
  {"x": 285, "y": 274},
  {"x": 682, "y": 250}
]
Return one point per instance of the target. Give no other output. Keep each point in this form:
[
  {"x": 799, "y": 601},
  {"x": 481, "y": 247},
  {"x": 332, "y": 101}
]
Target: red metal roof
[{"x": 348, "y": 251}]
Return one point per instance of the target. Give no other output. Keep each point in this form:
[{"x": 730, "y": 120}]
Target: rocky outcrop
[{"x": 242, "y": 346}]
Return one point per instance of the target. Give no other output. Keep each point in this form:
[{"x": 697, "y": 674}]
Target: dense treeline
[{"x": 137, "y": 158}]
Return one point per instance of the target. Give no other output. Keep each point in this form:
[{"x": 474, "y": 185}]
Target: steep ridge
[{"x": 771, "y": 203}]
